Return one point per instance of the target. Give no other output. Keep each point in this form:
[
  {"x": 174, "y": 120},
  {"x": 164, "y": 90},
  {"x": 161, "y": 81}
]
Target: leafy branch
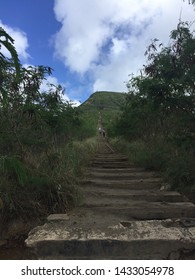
[{"x": 7, "y": 41}]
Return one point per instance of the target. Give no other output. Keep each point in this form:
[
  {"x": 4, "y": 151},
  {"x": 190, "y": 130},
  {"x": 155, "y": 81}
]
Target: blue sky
[{"x": 91, "y": 44}]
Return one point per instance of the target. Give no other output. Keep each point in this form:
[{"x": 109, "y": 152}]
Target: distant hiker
[
  {"x": 100, "y": 131},
  {"x": 103, "y": 133}
]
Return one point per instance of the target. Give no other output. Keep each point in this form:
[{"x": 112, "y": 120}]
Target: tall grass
[
  {"x": 143, "y": 154},
  {"x": 176, "y": 165},
  {"x": 14, "y": 166},
  {"x": 43, "y": 183}
]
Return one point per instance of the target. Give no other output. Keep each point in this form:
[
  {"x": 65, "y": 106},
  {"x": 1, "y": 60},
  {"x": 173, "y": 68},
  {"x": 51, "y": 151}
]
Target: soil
[{"x": 12, "y": 239}]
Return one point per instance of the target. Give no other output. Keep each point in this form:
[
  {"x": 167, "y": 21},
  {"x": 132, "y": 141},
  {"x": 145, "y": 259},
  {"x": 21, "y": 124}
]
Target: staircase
[{"x": 124, "y": 213}]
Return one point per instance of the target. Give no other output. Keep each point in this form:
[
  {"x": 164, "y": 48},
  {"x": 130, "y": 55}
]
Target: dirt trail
[{"x": 123, "y": 214}]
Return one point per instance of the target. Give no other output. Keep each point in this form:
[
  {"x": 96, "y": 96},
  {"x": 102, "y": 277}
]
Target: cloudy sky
[{"x": 92, "y": 45}]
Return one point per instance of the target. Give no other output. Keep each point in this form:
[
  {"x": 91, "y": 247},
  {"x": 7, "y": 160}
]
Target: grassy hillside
[{"x": 105, "y": 102}]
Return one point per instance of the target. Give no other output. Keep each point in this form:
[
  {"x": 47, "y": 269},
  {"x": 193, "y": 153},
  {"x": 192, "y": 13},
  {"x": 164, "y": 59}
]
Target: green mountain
[
  {"x": 104, "y": 100},
  {"x": 106, "y": 103}
]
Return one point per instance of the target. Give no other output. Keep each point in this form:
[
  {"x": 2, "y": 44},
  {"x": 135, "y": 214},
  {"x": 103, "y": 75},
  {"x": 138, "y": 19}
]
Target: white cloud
[
  {"x": 45, "y": 86},
  {"x": 20, "y": 41},
  {"x": 109, "y": 37},
  {"x": 51, "y": 80},
  {"x": 81, "y": 36}
]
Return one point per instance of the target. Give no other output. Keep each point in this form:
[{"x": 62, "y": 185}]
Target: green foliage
[
  {"x": 164, "y": 93},
  {"x": 158, "y": 118},
  {"x": 12, "y": 166},
  {"x": 7, "y": 41},
  {"x": 40, "y": 162}
]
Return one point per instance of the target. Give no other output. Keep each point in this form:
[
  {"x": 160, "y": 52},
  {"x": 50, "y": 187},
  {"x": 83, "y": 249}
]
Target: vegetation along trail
[{"x": 129, "y": 198}]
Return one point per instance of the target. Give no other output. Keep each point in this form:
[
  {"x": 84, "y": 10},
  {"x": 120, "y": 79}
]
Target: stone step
[
  {"x": 115, "y": 170},
  {"x": 145, "y": 184},
  {"x": 134, "y": 240},
  {"x": 155, "y": 195},
  {"x": 111, "y": 156},
  {"x": 106, "y": 152},
  {"x": 116, "y": 164},
  {"x": 121, "y": 176},
  {"x": 123, "y": 201},
  {"x": 108, "y": 160},
  {"x": 147, "y": 211}
]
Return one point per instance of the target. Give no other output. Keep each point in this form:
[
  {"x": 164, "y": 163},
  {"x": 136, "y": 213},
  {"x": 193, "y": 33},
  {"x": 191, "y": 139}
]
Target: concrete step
[
  {"x": 135, "y": 195},
  {"x": 121, "y": 176},
  {"x": 111, "y": 201},
  {"x": 111, "y": 156},
  {"x": 145, "y": 184},
  {"x": 114, "y": 164},
  {"x": 77, "y": 238},
  {"x": 146, "y": 211},
  {"x": 115, "y": 170},
  {"x": 110, "y": 159}
]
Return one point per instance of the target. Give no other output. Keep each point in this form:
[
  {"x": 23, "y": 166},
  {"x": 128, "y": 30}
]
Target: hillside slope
[{"x": 105, "y": 102}]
